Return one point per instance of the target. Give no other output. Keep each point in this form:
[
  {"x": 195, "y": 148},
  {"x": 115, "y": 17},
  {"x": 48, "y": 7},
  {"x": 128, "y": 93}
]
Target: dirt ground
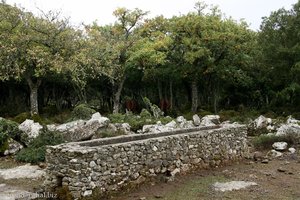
[{"x": 279, "y": 179}]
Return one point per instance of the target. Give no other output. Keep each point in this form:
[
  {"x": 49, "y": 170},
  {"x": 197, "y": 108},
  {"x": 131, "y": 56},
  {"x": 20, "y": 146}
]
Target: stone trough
[{"x": 110, "y": 164}]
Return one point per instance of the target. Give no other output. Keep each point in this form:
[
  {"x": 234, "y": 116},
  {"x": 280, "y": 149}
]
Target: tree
[
  {"x": 279, "y": 40},
  {"x": 38, "y": 46},
  {"x": 112, "y": 45}
]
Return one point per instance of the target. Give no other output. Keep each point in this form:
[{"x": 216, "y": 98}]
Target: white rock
[
  {"x": 233, "y": 185},
  {"x": 262, "y": 122},
  {"x": 275, "y": 154},
  {"x": 87, "y": 193},
  {"x": 24, "y": 171},
  {"x": 280, "y": 146},
  {"x": 292, "y": 120},
  {"x": 175, "y": 171},
  {"x": 13, "y": 147},
  {"x": 30, "y": 128},
  {"x": 102, "y": 121},
  {"x": 65, "y": 127},
  {"x": 292, "y": 150},
  {"x": 171, "y": 124},
  {"x": 288, "y": 129},
  {"x": 180, "y": 119},
  {"x": 210, "y": 120},
  {"x": 196, "y": 120}
]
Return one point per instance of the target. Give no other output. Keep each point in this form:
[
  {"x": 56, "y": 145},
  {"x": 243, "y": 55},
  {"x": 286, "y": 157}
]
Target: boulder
[
  {"x": 13, "y": 147},
  {"x": 210, "y": 120},
  {"x": 274, "y": 154},
  {"x": 171, "y": 124},
  {"x": 262, "y": 122},
  {"x": 31, "y": 129},
  {"x": 123, "y": 127},
  {"x": 292, "y": 120},
  {"x": 82, "y": 130},
  {"x": 280, "y": 146},
  {"x": 285, "y": 129},
  {"x": 196, "y": 120},
  {"x": 183, "y": 123},
  {"x": 292, "y": 150}
]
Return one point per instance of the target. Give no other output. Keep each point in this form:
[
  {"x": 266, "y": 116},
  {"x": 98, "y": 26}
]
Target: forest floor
[{"x": 279, "y": 179}]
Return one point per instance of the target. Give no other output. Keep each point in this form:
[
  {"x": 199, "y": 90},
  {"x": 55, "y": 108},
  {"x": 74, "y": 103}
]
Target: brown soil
[{"x": 278, "y": 179}]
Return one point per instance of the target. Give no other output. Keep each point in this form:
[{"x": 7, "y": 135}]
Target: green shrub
[
  {"x": 145, "y": 114},
  {"x": 82, "y": 111},
  {"x": 117, "y": 118},
  {"x": 228, "y": 115},
  {"x": 202, "y": 113},
  {"x": 22, "y": 117},
  {"x": 36, "y": 150},
  {"x": 9, "y": 129},
  {"x": 266, "y": 141}
]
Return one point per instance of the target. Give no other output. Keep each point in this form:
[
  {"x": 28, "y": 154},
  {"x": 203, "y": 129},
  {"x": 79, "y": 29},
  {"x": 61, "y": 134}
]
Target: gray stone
[
  {"x": 280, "y": 146},
  {"x": 275, "y": 154},
  {"x": 13, "y": 147},
  {"x": 233, "y": 185},
  {"x": 196, "y": 120},
  {"x": 210, "y": 120},
  {"x": 292, "y": 150},
  {"x": 31, "y": 129},
  {"x": 24, "y": 171}
]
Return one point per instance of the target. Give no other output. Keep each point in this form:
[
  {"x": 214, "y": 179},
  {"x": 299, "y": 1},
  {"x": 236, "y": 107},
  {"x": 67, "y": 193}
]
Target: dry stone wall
[{"x": 110, "y": 164}]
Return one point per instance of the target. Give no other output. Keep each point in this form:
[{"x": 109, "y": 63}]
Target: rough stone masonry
[{"x": 111, "y": 163}]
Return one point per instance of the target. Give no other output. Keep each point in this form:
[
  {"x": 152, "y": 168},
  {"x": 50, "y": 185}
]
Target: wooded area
[{"x": 187, "y": 63}]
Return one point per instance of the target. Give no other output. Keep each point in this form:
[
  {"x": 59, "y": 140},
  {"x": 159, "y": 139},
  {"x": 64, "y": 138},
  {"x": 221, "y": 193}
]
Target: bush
[
  {"x": 9, "y": 129},
  {"x": 266, "y": 141},
  {"x": 145, "y": 114},
  {"x": 37, "y": 147},
  {"x": 22, "y": 117},
  {"x": 117, "y": 118},
  {"x": 82, "y": 111}
]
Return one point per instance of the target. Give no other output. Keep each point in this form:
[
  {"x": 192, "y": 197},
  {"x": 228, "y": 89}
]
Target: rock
[
  {"x": 87, "y": 193},
  {"x": 24, "y": 171},
  {"x": 171, "y": 124},
  {"x": 13, "y": 147},
  {"x": 292, "y": 150},
  {"x": 274, "y": 154},
  {"x": 123, "y": 127},
  {"x": 196, "y": 120},
  {"x": 175, "y": 171},
  {"x": 281, "y": 169},
  {"x": 262, "y": 122},
  {"x": 67, "y": 126},
  {"x": 102, "y": 121},
  {"x": 257, "y": 156},
  {"x": 31, "y": 129},
  {"x": 280, "y": 146},
  {"x": 210, "y": 120},
  {"x": 292, "y": 120},
  {"x": 83, "y": 130},
  {"x": 290, "y": 128},
  {"x": 265, "y": 161},
  {"x": 180, "y": 119},
  {"x": 233, "y": 185}
]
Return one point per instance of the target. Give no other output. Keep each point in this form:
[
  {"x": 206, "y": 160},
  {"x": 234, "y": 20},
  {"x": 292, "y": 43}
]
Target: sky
[{"x": 87, "y": 11}]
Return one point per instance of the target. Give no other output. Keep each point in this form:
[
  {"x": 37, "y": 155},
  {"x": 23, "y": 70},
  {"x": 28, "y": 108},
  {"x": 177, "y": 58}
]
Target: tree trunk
[
  {"x": 194, "y": 87},
  {"x": 34, "y": 104},
  {"x": 171, "y": 95},
  {"x": 117, "y": 95},
  {"x": 159, "y": 87}
]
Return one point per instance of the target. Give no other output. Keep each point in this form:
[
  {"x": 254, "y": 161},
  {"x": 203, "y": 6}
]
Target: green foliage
[
  {"x": 22, "y": 117},
  {"x": 156, "y": 111},
  {"x": 9, "y": 129},
  {"x": 82, "y": 111},
  {"x": 36, "y": 150},
  {"x": 266, "y": 141},
  {"x": 145, "y": 114}
]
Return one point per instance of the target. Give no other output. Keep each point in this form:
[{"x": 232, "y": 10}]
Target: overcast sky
[{"x": 88, "y": 11}]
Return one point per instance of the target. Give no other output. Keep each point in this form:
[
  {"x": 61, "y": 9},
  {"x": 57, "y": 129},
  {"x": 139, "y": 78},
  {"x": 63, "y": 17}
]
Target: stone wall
[{"x": 110, "y": 164}]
